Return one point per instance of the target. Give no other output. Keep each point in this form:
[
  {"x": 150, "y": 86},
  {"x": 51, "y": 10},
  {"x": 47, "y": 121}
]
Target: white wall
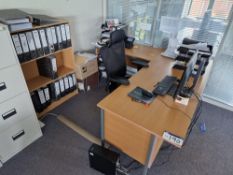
[{"x": 85, "y": 16}]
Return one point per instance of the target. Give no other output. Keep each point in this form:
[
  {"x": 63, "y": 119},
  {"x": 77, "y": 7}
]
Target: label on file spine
[
  {"x": 66, "y": 81},
  {"x": 57, "y": 88},
  {"x": 58, "y": 30},
  {"x": 30, "y": 41},
  {"x": 36, "y": 38},
  {"x": 43, "y": 38},
  {"x": 54, "y": 35},
  {"x": 17, "y": 44},
  {"x": 74, "y": 79},
  {"x": 71, "y": 81},
  {"x": 62, "y": 86},
  {"x": 41, "y": 96},
  {"x": 67, "y": 27},
  {"x": 49, "y": 36},
  {"x": 47, "y": 95},
  {"x": 63, "y": 32},
  {"x": 54, "y": 64},
  {"x": 24, "y": 43}
]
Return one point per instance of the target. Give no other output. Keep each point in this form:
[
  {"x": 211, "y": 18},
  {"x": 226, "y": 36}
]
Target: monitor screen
[{"x": 186, "y": 75}]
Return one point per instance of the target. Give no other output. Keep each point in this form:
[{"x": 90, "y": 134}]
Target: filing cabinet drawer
[
  {"x": 18, "y": 137},
  {"x": 11, "y": 82},
  {"x": 8, "y": 56},
  {"x": 14, "y": 110}
]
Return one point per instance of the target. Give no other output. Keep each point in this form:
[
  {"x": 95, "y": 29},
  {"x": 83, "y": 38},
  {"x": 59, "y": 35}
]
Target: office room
[{"x": 116, "y": 87}]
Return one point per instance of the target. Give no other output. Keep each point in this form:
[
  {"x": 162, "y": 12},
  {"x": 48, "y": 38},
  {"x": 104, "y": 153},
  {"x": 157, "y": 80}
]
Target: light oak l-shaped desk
[{"x": 137, "y": 129}]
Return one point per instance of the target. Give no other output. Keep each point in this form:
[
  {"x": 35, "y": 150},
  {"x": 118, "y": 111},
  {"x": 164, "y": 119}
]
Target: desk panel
[{"x": 127, "y": 137}]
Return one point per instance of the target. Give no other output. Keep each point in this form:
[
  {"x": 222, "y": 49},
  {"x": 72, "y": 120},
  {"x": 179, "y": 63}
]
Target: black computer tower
[{"x": 103, "y": 160}]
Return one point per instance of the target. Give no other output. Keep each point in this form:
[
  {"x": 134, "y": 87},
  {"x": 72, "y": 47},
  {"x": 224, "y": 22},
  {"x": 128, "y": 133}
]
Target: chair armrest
[
  {"x": 119, "y": 80},
  {"x": 141, "y": 63}
]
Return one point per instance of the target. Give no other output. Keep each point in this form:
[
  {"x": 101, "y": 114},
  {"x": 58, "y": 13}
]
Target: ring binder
[
  {"x": 25, "y": 48},
  {"x": 55, "y": 42},
  {"x": 59, "y": 39},
  {"x": 68, "y": 36},
  {"x": 18, "y": 48},
  {"x": 63, "y": 36},
  {"x": 36, "y": 37},
  {"x": 49, "y": 39},
  {"x": 44, "y": 41},
  {"x": 31, "y": 45}
]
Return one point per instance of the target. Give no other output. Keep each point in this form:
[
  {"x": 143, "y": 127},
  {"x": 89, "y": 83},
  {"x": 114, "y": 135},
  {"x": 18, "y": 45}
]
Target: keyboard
[{"x": 163, "y": 87}]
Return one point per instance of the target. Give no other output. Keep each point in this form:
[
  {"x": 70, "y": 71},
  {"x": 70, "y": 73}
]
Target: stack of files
[
  {"x": 65, "y": 35},
  {"x": 41, "y": 99},
  {"x": 15, "y": 19},
  {"x": 63, "y": 87},
  {"x": 39, "y": 48},
  {"x": 47, "y": 67},
  {"x": 55, "y": 90},
  {"x": 21, "y": 47},
  {"x": 25, "y": 46},
  {"x": 18, "y": 48},
  {"x": 38, "y": 19}
]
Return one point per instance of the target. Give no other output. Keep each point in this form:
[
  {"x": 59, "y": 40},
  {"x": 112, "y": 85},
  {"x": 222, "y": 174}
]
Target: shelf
[
  {"x": 57, "y": 103},
  {"x": 34, "y": 59},
  {"x": 38, "y": 82},
  {"x": 34, "y": 27},
  {"x": 41, "y": 81},
  {"x": 63, "y": 71}
]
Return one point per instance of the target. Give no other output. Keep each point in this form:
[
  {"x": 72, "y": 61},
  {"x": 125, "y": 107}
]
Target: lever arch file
[
  {"x": 54, "y": 37},
  {"x": 48, "y": 67},
  {"x": 68, "y": 36},
  {"x": 63, "y": 36},
  {"x": 38, "y": 45},
  {"x": 55, "y": 90},
  {"x": 44, "y": 41},
  {"x": 18, "y": 48},
  {"x": 31, "y": 45},
  {"x": 49, "y": 39},
  {"x": 23, "y": 40},
  {"x": 62, "y": 87},
  {"x": 59, "y": 39}
]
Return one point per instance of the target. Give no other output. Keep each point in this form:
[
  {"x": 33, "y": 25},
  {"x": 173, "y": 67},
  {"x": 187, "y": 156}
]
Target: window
[
  {"x": 222, "y": 8},
  {"x": 198, "y": 8},
  {"x": 137, "y": 14},
  {"x": 203, "y": 20}
]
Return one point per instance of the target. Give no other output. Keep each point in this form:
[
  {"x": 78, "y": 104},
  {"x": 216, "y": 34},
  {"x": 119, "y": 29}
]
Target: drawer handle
[
  {"x": 9, "y": 114},
  {"x": 18, "y": 135},
  {"x": 2, "y": 86}
]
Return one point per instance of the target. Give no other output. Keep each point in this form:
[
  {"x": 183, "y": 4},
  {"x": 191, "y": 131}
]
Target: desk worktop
[{"x": 163, "y": 114}]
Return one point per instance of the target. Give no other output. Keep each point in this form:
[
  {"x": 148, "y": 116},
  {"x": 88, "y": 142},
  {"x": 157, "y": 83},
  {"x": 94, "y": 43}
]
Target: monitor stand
[{"x": 186, "y": 92}]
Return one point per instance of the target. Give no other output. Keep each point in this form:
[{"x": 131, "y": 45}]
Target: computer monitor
[{"x": 182, "y": 88}]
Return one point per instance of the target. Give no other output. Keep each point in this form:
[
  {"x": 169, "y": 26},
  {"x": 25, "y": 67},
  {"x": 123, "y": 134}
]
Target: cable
[
  {"x": 190, "y": 118},
  {"x": 52, "y": 114},
  {"x": 167, "y": 159}
]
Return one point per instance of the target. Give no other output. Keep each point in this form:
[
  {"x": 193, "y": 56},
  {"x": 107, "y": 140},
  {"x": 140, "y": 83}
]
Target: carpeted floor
[{"x": 62, "y": 151}]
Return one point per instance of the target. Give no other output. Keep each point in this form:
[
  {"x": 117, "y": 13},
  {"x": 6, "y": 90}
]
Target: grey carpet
[{"x": 62, "y": 151}]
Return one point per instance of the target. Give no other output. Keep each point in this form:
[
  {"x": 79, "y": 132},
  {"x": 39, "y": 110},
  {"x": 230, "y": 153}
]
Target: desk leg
[
  {"x": 102, "y": 126},
  {"x": 149, "y": 154}
]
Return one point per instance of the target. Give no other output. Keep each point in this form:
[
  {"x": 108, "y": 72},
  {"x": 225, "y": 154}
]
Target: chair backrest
[{"x": 113, "y": 55}]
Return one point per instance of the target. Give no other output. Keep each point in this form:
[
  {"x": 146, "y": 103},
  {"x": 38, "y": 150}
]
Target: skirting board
[{"x": 217, "y": 103}]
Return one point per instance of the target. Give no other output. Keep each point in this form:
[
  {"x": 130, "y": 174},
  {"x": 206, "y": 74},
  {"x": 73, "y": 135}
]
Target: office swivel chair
[{"x": 113, "y": 57}]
